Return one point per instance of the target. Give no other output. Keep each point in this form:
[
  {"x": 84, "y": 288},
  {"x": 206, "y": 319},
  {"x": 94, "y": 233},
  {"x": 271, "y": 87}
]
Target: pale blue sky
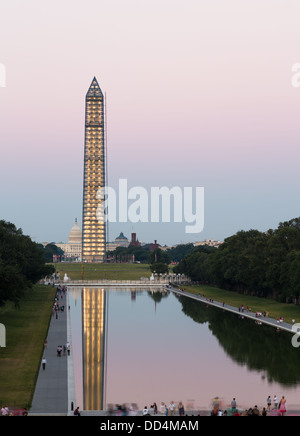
[{"x": 198, "y": 94}]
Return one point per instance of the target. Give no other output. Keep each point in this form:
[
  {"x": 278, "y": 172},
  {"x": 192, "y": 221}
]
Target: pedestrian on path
[
  {"x": 44, "y": 361},
  {"x": 233, "y": 404},
  {"x": 181, "y": 409},
  {"x": 146, "y": 411},
  {"x": 282, "y": 408},
  {"x": 163, "y": 408},
  {"x": 5, "y": 411},
  {"x": 172, "y": 408},
  {"x": 269, "y": 402}
]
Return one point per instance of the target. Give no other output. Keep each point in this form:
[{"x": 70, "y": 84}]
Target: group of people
[
  {"x": 64, "y": 349},
  {"x": 5, "y": 411},
  {"x": 277, "y": 405},
  {"x": 164, "y": 409},
  {"x": 167, "y": 410},
  {"x": 274, "y": 406},
  {"x": 57, "y": 306}
]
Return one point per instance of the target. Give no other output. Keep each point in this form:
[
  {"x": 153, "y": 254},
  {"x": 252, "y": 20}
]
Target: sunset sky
[{"x": 198, "y": 93}]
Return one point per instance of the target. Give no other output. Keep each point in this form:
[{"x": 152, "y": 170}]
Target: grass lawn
[
  {"x": 26, "y": 330},
  {"x": 103, "y": 271},
  {"x": 275, "y": 309}
]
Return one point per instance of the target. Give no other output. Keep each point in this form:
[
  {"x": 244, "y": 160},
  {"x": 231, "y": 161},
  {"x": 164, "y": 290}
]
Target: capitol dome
[{"x": 75, "y": 236}]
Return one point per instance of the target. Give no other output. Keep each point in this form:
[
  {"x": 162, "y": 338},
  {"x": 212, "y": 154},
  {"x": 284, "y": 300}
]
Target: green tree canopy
[
  {"x": 159, "y": 256},
  {"x": 159, "y": 268},
  {"x": 22, "y": 263},
  {"x": 265, "y": 264},
  {"x": 177, "y": 253}
]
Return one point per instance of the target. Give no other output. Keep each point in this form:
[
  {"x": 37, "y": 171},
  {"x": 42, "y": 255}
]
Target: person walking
[
  {"x": 166, "y": 411},
  {"x": 233, "y": 404},
  {"x": 172, "y": 408},
  {"x": 275, "y": 402},
  {"x": 146, "y": 411},
  {"x": 181, "y": 409},
  {"x": 163, "y": 408},
  {"x": 282, "y": 408},
  {"x": 269, "y": 402},
  {"x": 44, "y": 361},
  {"x": 5, "y": 411}
]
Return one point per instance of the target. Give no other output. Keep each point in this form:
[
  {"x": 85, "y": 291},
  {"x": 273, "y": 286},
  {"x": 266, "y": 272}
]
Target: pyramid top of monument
[{"x": 94, "y": 89}]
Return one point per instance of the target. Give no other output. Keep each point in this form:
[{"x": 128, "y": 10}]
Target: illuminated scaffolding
[{"x": 93, "y": 222}]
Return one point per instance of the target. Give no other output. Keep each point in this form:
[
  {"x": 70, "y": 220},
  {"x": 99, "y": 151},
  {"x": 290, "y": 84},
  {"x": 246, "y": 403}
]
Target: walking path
[
  {"x": 247, "y": 314},
  {"x": 55, "y": 383}
]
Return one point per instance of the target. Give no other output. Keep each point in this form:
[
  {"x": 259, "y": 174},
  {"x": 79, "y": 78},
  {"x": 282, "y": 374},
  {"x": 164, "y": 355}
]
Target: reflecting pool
[{"x": 148, "y": 346}]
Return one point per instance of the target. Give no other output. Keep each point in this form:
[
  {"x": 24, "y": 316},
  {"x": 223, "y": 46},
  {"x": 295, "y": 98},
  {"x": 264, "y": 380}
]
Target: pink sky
[{"x": 198, "y": 94}]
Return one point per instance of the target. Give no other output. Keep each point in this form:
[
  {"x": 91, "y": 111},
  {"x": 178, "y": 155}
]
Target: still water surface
[{"x": 155, "y": 346}]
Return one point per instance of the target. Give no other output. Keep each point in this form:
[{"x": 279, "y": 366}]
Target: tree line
[
  {"x": 22, "y": 263},
  {"x": 144, "y": 254},
  {"x": 157, "y": 258},
  {"x": 264, "y": 264}
]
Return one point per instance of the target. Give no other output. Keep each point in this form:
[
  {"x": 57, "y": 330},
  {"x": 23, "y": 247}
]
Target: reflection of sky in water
[{"x": 156, "y": 353}]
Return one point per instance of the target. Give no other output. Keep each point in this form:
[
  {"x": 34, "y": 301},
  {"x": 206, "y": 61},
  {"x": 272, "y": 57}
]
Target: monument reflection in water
[
  {"x": 94, "y": 313},
  {"x": 149, "y": 339}
]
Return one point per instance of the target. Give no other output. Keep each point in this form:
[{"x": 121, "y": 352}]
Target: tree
[
  {"x": 158, "y": 256},
  {"x": 197, "y": 264},
  {"x": 159, "y": 268},
  {"x": 177, "y": 253},
  {"x": 22, "y": 263},
  {"x": 265, "y": 264},
  {"x": 290, "y": 277},
  {"x": 140, "y": 254},
  {"x": 51, "y": 250}
]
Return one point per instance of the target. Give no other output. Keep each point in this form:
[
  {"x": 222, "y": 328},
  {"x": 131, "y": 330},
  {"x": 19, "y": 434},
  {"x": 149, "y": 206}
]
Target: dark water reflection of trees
[{"x": 259, "y": 347}]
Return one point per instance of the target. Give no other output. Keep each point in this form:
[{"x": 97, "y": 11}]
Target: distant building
[
  {"x": 209, "y": 242},
  {"x": 120, "y": 241},
  {"x": 134, "y": 242},
  {"x": 154, "y": 246},
  {"x": 73, "y": 249}
]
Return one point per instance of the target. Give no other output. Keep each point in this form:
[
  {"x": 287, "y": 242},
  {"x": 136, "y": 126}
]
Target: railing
[{"x": 144, "y": 281}]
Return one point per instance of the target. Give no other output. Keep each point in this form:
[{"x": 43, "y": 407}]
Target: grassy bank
[
  {"x": 26, "y": 329},
  {"x": 275, "y": 309},
  {"x": 103, "y": 271}
]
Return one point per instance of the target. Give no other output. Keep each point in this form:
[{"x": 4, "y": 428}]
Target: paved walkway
[{"x": 51, "y": 393}]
